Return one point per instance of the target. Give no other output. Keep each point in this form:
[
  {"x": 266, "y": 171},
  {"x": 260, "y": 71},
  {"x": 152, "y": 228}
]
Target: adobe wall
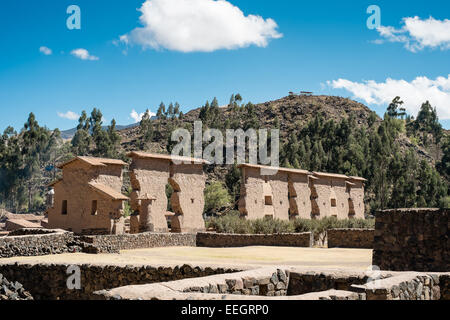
[
  {"x": 412, "y": 240},
  {"x": 222, "y": 240},
  {"x": 357, "y": 195},
  {"x": 75, "y": 189},
  {"x": 254, "y": 189},
  {"x": 188, "y": 202},
  {"x": 49, "y": 281},
  {"x": 326, "y": 188},
  {"x": 149, "y": 178},
  {"x": 350, "y": 238},
  {"x": 79, "y": 206},
  {"x": 300, "y": 196},
  {"x": 251, "y": 202}
]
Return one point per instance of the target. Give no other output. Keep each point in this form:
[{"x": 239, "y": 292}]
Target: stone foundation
[
  {"x": 277, "y": 283},
  {"x": 350, "y": 238},
  {"x": 38, "y": 245},
  {"x": 49, "y": 281},
  {"x": 222, "y": 240},
  {"x": 115, "y": 243},
  {"x": 412, "y": 240}
]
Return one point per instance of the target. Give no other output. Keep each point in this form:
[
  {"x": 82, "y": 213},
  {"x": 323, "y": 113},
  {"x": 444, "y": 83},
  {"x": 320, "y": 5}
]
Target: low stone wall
[
  {"x": 12, "y": 290},
  {"x": 350, "y": 238},
  {"x": 49, "y": 281},
  {"x": 38, "y": 245},
  {"x": 115, "y": 243},
  {"x": 222, "y": 240},
  {"x": 268, "y": 282},
  {"x": 272, "y": 283},
  {"x": 412, "y": 240},
  {"x": 32, "y": 231},
  {"x": 407, "y": 286}
]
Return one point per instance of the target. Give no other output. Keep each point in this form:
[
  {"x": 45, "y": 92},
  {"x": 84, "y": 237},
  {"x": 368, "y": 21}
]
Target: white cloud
[
  {"x": 199, "y": 25},
  {"x": 412, "y": 93},
  {"x": 137, "y": 117},
  {"x": 83, "y": 54},
  {"x": 69, "y": 115},
  {"x": 417, "y": 34},
  {"x": 45, "y": 50}
]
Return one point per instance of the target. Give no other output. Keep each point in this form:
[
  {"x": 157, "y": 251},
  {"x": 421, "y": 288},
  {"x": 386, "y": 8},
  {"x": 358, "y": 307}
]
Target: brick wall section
[
  {"x": 412, "y": 240},
  {"x": 115, "y": 243},
  {"x": 48, "y": 281},
  {"x": 222, "y": 240},
  {"x": 350, "y": 238}
]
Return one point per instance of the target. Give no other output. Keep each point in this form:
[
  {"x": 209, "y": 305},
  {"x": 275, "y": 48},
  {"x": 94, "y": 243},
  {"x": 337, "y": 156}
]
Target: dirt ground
[{"x": 311, "y": 258}]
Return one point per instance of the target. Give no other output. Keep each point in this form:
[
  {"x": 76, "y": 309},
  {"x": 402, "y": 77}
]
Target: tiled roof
[
  {"x": 330, "y": 175},
  {"x": 94, "y": 161},
  {"x": 107, "y": 191},
  {"x": 138, "y": 154},
  {"x": 257, "y": 166}
]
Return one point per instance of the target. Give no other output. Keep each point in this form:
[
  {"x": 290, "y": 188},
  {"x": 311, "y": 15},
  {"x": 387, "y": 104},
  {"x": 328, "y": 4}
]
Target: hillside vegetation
[{"x": 406, "y": 160}]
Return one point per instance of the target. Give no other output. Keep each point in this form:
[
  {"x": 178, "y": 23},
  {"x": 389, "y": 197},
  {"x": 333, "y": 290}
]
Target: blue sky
[{"x": 319, "y": 46}]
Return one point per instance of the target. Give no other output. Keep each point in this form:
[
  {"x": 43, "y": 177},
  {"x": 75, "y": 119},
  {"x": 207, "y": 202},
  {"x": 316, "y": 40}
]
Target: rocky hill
[{"x": 292, "y": 112}]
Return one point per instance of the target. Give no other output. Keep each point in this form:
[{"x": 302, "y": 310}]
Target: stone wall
[
  {"x": 49, "y": 281},
  {"x": 412, "y": 240},
  {"x": 37, "y": 245},
  {"x": 407, "y": 286},
  {"x": 350, "y": 238},
  {"x": 12, "y": 290},
  {"x": 277, "y": 283},
  {"x": 268, "y": 282},
  {"x": 115, "y": 243},
  {"x": 222, "y": 240}
]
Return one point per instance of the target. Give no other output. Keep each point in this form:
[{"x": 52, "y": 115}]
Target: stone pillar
[{"x": 151, "y": 220}]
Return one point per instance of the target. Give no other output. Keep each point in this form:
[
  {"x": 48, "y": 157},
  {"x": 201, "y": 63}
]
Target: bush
[
  {"x": 233, "y": 223},
  {"x": 216, "y": 197}
]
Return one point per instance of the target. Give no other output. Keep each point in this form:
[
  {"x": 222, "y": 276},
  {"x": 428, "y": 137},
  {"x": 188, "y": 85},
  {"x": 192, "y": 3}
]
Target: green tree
[{"x": 216, "y": 197}]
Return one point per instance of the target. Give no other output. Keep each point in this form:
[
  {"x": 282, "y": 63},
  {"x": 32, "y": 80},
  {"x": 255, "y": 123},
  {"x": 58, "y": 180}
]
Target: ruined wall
[
  {"x": 412, "y": 240},
  {"x": 222, "y": 240},
  {"x": 300, "y": 196},
  {"x": 252, "y": 202},
  {"x": 280, "y": 193},
  {"x": 357, "y": 195},
  {"x": 263, "y": 196},
  {"x": 75, "y": 190},
  {"x": 350, "y": 238},
  {"x": 149, "y": 178},
  {"x": 188, "y": 202},
  {"x": 327, "y": 189}
]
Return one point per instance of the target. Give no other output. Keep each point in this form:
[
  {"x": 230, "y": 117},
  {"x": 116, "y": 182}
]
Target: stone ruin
[
  {"x": 88, "y": 199},
  {"x": 285, "y": 194},
  {"x": 150, "y": 173}
]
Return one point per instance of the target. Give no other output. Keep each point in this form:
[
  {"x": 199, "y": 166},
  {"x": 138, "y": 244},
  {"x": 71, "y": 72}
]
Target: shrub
[
  {"x": 233, "y": 223},
  {"x": 216, "y": 197}
]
